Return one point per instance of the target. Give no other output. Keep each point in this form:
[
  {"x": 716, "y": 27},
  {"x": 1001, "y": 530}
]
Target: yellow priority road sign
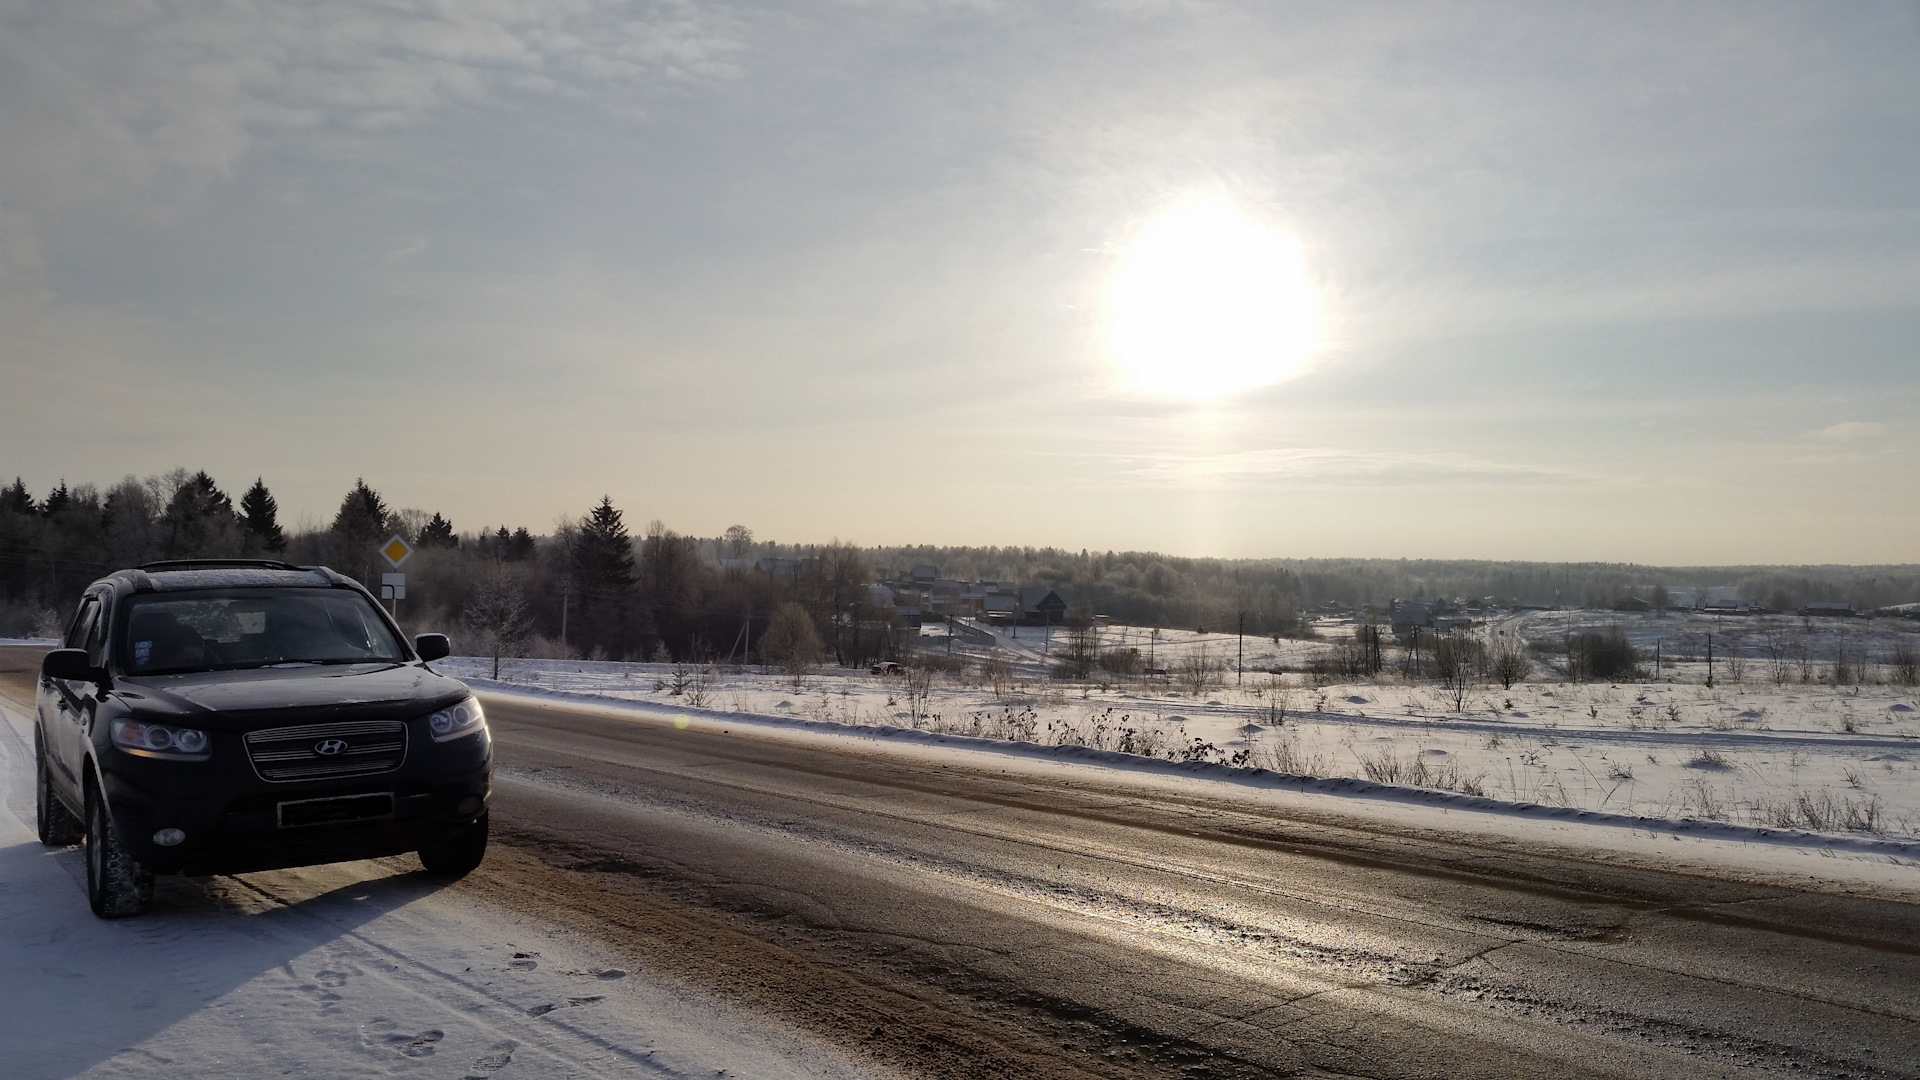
[{"x": 396, "y": 550}]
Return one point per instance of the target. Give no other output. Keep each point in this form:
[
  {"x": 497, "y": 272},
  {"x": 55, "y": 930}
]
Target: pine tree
[
  {"x": 602, "y": 584},
  {"x": 21, "y": 532},
  {"x": 57, "y": 500},
  {"x": 260, "y": 515},
  {"x": 438, "y": 533},
  {"x": 515, "y": 546},
  {"x": 603, "y": 553},
  {"x": 362, "y": 520},
  {"x": 198, "y": 517},
  {"x": 17, "y": 499}
]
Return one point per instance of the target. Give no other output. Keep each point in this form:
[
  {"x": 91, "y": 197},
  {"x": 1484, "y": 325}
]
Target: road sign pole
[{"x": 393, "y": 587}]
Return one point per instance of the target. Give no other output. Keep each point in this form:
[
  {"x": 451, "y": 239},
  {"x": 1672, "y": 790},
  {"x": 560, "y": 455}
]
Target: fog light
[
  {"x": 168, "y": 837},
  {"x": 469, "y": 805}
]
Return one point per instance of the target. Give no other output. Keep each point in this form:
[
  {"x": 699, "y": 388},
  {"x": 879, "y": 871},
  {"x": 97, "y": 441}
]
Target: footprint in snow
[
  {"x": 329, "y": 1001},
  {"x": 495, "y": 1059},
  {"x": 420, "y": 1045},
  {"x": 571, "y": 1003}
]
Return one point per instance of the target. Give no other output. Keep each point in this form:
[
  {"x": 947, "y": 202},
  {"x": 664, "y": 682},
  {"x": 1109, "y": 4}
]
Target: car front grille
[{"x": 323, "y": 751}]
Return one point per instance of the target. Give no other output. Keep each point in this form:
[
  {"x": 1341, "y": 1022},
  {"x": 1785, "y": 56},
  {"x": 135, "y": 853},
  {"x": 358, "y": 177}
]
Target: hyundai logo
[{"x": 330, "y": 747}]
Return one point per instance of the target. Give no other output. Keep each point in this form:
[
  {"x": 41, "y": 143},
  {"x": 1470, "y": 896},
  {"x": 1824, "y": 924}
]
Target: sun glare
[{"x": 1209, "y": 302}]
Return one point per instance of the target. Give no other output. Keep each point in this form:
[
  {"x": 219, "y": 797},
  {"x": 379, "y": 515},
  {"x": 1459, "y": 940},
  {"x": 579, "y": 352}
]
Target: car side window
[
  {"x": 82, "y": 628},
  {"x": 96, "y": 645}
]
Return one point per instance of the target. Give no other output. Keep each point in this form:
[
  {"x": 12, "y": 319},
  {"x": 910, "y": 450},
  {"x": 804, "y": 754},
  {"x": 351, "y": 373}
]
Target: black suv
[{"x": 221, "y": 717}]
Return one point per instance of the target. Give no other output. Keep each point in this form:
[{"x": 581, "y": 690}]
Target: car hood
[{"x": 249, "y": 698}]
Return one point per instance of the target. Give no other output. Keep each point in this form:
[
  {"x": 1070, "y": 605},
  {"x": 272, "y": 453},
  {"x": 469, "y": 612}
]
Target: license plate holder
[{"x": 335, "y": 810}]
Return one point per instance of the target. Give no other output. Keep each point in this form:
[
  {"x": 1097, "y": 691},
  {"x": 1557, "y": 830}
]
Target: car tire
[
  {"x": 57, "y": 825},
  {"x": 118, "y": 885},
  {"x": 457, "y": 856}
]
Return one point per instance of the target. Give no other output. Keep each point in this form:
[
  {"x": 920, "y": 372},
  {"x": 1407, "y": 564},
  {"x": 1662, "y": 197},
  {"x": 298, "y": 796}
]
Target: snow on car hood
[{"x": 370, "y": 690}]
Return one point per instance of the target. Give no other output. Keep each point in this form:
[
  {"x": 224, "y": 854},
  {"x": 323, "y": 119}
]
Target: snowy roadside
[
  {"x": 1841, "y": 761},
  {"x": 353, "y": 970},
  {"x": 1773, "y": 855}
]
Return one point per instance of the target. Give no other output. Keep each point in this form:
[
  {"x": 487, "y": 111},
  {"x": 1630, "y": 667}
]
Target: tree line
[
  {"x": 593, "y": 587},
  {"x": 590, "y": 588}
]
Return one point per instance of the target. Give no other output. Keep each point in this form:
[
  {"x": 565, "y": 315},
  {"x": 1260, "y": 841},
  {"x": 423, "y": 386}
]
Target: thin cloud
[
  {"x": 143, "y": 99},
  {"x": 1849, "y": 431},
  {"x": 1251, "y": 468}
]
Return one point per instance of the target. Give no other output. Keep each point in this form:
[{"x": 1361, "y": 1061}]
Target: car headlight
[
  {"x": 160, "y": 740},
  {"x": 457, "y": 720}
]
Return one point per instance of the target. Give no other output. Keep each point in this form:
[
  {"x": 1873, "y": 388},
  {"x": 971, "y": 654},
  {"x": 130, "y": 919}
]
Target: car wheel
[
  {"x": 118, "y": 885},
  {"x": 57, "y": 825},
  {"x": 457, "y": 856}
]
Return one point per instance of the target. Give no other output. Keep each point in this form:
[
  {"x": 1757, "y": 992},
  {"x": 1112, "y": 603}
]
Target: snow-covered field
[
  {"x": 1801, "y": 756},
  {"x": 354, "y": 970}
]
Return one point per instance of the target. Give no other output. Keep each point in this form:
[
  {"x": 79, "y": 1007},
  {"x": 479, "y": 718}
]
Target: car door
[
  {"x": 71, "y": 701},
  {"x": 91, "y": 693}
]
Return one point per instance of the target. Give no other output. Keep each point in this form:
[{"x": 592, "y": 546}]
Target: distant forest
[{"x": 594, "y": 586}]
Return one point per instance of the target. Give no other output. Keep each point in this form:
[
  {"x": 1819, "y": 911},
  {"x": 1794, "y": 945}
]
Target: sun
[{"x": 1208, "y": 302}]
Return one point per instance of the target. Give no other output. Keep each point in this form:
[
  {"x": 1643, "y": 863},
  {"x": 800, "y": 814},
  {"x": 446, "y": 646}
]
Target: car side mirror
[
  {"x": 432, "y": 646},
  {"x": 70, "y": 664}
]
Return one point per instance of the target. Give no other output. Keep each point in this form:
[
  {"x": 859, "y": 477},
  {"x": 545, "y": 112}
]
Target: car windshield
[{"x": 223, "y": 629}]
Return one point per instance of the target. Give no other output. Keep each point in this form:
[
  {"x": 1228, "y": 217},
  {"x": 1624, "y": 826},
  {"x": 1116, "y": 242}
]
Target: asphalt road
[{"x": 960, "y": 922}]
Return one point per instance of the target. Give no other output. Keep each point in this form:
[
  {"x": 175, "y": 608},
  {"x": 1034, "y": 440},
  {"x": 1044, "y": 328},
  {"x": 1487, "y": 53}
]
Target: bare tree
[
  {"x": 1509, "y": 663},
  {"x": 1458, "y": 660},
  {"x": 1736, "y": 661},
  {"x": 1906, "y": 663},
  {"x": 1455, "y": 654},
  {"x": 791, "y": 642},
  {"x": 998, "y": 672},
  {"x": 1779, "y": 657},
  {"x": 497, "y": 615},
  {"x": 1845, "y": 663},
  {"x": 919, "y": 691},
  {"x": 1078, "y": 653},
  {"x": 1198, "y": 671}
]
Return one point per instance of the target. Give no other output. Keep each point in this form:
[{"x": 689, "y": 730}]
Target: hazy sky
[{"x": 1587, "y": 281}]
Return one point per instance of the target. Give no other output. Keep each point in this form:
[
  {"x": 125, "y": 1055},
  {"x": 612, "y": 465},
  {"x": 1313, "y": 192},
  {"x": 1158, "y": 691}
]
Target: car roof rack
[{"x": 168, "y": 565}]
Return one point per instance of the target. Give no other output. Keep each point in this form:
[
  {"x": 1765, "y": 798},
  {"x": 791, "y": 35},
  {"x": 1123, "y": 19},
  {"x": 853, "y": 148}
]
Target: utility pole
[
  {"x": 1709, "y": 661},
  {"x": 566, "y": 595},
  {"x": 1240, "y": 665}
]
